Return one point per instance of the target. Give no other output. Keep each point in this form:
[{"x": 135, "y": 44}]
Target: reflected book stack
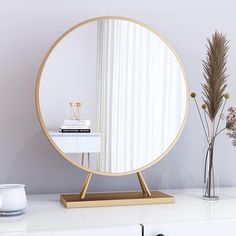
[{"x": 75, "y": 126}]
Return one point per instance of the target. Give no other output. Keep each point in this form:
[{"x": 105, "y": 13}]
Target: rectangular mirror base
[{"x": 114, "y": 199}]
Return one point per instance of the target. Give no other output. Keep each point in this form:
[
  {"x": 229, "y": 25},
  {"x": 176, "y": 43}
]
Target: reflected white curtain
[{"x": 140, "y": 88}]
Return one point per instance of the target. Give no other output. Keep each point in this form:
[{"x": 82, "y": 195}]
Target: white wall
[{"x": 29, "y": 27}]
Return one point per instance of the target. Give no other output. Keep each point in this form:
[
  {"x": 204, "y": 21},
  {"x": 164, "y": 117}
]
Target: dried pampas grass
[{"x": 215, "y": 73}]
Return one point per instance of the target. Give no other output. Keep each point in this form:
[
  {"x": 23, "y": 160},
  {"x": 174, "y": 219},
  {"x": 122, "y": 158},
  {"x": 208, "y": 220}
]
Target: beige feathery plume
[{"x": 215, "y": 73}]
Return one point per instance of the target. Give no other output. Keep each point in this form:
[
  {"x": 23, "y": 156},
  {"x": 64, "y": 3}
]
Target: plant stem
[
  {"x": 210, "y": 176},
  {"x": 219, "y": 132},
  {"x": 223, "y": 107},
  {"x": 201, "y": 120},
  {"x": 210, "y": 153},
  {"x": 208, "y": 131},
  {"x": 205, "y": 164}
]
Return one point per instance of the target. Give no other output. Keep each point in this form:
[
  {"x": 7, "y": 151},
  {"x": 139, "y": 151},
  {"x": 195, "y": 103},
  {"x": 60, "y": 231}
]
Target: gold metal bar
[
  {"x": 143, "y": 185},
  {"x": 88, "y": 160},
  {"x": 82, "y": 159},
  {"x": 85, "y": 185}
]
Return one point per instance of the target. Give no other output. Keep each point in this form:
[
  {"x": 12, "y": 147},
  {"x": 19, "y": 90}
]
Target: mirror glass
[{"x": 112, "y": 96}]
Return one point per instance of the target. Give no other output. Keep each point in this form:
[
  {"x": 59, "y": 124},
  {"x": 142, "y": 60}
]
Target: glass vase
[{"x": 210, "y": 183}]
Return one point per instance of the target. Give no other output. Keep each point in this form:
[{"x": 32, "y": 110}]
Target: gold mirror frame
[{"x": 90, "y": 171}]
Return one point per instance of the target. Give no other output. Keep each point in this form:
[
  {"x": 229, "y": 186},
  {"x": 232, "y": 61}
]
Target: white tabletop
[
  {"x": 64, "y": 134},
  {"x": 45, "y": 212}
]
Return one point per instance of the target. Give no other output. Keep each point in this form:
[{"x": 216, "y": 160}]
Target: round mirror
[{"x": 112, "y": 96}]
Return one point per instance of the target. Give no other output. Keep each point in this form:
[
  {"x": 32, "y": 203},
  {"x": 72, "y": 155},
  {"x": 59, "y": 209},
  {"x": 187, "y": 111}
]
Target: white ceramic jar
[{"x": 12, "y": 199}]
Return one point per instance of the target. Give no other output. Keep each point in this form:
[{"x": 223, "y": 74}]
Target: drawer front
[
  {"x": 133, "y": 230},
  {"x": 203, "y": 228},
  {"x": 79, "y": 144}
]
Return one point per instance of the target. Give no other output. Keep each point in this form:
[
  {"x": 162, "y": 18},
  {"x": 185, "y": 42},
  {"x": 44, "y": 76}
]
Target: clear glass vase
[{"x": 210, "y": 181}]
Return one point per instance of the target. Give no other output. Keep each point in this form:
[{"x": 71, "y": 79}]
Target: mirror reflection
[{"x": 112, "y": 96}]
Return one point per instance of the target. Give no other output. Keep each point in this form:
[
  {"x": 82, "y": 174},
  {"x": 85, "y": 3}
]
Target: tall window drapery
[{"x": 141, "y": 95}]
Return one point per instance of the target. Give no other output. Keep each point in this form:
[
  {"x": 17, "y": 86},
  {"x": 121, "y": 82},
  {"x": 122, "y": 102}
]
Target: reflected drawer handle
[{"x": 160, "y": 235}]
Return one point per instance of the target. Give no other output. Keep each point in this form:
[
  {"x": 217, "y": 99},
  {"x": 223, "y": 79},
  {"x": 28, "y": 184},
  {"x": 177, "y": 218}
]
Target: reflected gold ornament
[{"x": 75, "y": 110}]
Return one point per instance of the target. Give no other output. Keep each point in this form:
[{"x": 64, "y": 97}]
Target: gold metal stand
[
  {"x": 85, "y": 185},
  {"x": 143, "y": 184},
  {"x": 115, "y": 198}
]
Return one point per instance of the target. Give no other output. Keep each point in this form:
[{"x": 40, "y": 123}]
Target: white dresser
[
  {"x": 77, "y": 142},
  {"x": 189, "y": 216},
  {"x": 80, "y": 144}
]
